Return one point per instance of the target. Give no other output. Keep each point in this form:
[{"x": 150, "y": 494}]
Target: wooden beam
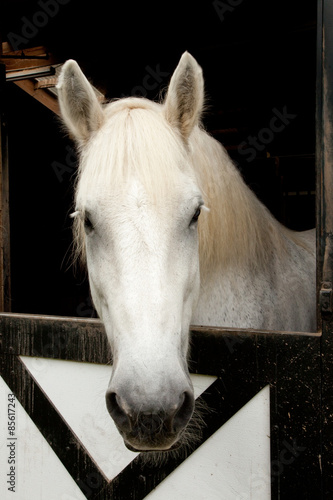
[
  {"x": 41, "y": 95},
  {"x": 5, "y": 275},
  {"x": 25, "y": 74},
  {"x": 20, "y": 63},
  {"x": 35, "y": 57}
]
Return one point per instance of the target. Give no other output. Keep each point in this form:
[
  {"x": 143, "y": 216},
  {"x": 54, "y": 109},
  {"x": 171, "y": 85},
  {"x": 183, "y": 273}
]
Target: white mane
[
  {"x": 239, "y": 229},
  {"x": 134, "y": 140}
]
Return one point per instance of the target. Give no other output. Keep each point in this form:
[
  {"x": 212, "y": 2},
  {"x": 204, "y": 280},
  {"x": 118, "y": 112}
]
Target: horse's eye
[
  {"x": 196, "y": 216},
  {"x": 88, "y": 225}
]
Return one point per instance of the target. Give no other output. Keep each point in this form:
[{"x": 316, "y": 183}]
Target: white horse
[{"x": 147, "y": 171}]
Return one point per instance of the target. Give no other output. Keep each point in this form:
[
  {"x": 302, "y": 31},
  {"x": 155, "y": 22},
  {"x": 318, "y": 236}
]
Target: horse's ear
[
  {"x": 185, "y": 97},
  {"x": 79, "y": 106}
]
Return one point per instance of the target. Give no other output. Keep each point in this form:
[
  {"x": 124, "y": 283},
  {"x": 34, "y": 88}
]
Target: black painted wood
[
  {"x": 244, "y": 363},
  {"x": 54, "y": 337},
  {"x": 325, "y": 229}
]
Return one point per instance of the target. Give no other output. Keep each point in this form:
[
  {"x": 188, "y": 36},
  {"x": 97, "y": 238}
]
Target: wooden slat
[
  {"x": 46, "y": 82},
  {"x": 80, "y": 339},
  {"x": 25, "y": 74},
  {"x": 41, "y": 95},
  {"x": 23, "y": 59},
  {"x": 5, "y": 281},
  {"x": 54, "y": 337},
  {"x": 324, "y": 162}
]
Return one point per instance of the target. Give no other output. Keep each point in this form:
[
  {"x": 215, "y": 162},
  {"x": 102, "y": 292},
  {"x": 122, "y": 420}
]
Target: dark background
[{"x": 257, "y": 57}]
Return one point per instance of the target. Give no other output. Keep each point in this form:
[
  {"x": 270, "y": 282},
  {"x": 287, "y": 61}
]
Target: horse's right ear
[
  {"x": 185, "y": 97},
  {"x": 79, "y": 106}
]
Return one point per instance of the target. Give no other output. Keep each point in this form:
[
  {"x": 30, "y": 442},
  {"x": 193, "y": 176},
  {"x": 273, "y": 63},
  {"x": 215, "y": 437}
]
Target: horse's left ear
[{"x": 185, "y": 97}]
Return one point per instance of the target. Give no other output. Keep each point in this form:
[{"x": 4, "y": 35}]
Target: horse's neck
[
  {"x": 280, "y": 297},
  {"x": 254, "y": 272}
]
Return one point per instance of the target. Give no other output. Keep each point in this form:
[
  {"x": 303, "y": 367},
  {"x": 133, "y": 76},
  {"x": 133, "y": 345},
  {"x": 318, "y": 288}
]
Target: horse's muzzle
[{"x": 152, "y": 429}]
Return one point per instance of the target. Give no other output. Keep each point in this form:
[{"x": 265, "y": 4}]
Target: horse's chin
[{"x": 150, "y": 449}]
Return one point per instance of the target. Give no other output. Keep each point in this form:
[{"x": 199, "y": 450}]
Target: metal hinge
[{"x": 325, "y": 297}]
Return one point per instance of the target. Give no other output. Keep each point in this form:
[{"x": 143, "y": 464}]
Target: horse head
[{"x": 136, "y": 215}]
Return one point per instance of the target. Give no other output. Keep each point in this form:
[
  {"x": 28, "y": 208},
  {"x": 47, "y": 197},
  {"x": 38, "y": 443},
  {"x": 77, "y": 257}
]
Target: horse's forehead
[
  {"x": 135, "y": 197},
  {"x": 180, "y": 190}
]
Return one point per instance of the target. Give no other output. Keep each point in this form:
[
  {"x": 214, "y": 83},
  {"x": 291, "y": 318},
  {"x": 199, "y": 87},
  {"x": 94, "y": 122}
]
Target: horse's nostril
[
  {"x": 184, "y": 412},
  {"x": 116, "y": 411},
  {"x": 111, "y": 401}
]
